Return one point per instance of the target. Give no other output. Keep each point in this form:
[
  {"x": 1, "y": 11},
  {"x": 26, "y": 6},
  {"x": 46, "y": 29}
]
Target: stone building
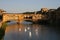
[
  {"x": 2, "y": 11},
  {"x": 44, "y": 9}
]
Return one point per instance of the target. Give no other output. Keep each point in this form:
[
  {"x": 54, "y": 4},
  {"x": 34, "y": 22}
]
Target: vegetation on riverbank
[
  {"x": 54, "y": 17},
  {"x": 2, "y": 30}
]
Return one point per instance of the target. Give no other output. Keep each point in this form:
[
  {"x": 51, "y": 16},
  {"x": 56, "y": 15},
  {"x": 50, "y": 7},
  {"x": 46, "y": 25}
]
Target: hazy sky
[{"x": 27, "y": 5}]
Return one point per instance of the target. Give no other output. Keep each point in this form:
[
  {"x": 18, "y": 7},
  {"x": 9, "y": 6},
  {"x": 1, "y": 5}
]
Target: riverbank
[{"x": 2, "y": 30}]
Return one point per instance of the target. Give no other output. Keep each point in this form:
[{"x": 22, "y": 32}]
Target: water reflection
[
  {"x": 25, "y": 29},
  {"x": 19, "y": 29},
  {"x": 36, "y": 31},
  {"x": 30, "y": 32}
]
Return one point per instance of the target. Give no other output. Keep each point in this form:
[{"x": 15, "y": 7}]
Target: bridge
[{"x": 19, "y": 17}]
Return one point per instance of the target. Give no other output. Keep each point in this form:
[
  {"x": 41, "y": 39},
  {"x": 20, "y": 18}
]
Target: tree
[{"x": 2, "y": 30}]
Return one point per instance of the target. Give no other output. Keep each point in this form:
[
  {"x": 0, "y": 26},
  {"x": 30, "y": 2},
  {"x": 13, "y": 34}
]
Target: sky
[{"x": 19, "y": 6}]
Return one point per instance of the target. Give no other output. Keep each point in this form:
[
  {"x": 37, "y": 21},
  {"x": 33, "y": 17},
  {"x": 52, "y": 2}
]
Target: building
[
  {"x": 44, "y": 9},
  {"x": 2, "y": 11}
]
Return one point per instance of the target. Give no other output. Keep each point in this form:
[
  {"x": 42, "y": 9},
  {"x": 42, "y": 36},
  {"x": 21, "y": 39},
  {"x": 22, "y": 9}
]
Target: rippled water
[{"x": 30, "y": 32}]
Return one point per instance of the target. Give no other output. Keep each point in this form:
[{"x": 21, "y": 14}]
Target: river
[{"x": 30, "y": 32}]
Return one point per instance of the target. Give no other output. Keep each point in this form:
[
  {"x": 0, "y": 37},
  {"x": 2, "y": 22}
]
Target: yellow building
[{"x": 44, "y": 9}]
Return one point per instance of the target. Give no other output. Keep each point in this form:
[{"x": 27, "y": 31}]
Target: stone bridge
[{"x": 19, "y": 17}]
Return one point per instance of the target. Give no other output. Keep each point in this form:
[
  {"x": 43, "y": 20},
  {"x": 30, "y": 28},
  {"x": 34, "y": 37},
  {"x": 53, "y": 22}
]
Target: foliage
[
  {"x": 55, "y": 17},
  {"x": 2, "y": 30}
]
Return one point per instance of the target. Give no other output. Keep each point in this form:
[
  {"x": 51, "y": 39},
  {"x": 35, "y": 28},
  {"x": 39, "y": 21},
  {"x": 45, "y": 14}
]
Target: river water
[{"x": 30, "y": 32}]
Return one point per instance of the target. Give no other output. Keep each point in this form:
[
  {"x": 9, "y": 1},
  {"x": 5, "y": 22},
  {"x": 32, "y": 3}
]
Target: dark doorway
[{"x": 1, "y": 17}]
